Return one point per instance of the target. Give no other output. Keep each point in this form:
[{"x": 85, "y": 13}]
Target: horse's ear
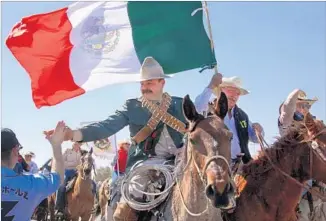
[
  {"x": 221, "y": 106},
  {"x": 189, "y": 109}
]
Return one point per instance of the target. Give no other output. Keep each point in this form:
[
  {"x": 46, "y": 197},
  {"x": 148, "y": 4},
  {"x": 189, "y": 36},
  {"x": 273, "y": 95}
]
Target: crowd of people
[{"x": 23, "y": 188}]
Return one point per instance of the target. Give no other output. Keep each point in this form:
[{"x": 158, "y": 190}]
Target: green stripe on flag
[{"x": 168, "y": 32}]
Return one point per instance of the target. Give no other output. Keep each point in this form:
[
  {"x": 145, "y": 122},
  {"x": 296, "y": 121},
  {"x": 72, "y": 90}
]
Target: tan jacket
[{"x": 71, "y": 159}]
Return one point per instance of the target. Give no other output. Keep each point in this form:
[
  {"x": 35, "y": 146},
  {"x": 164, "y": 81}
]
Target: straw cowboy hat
[
  {"x": 127, "y": 141},
  {"x": 151, "y": 70},
  {"x": 235, "y": 82},
  {"x": 29, "y": 153},
  {"x": 303, "y": 98}
]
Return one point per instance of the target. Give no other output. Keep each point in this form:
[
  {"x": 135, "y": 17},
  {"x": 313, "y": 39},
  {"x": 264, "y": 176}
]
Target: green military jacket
[{"x": 136, "y": 116}]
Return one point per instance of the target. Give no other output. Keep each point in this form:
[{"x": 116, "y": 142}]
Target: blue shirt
[
  {"x": 19, "y": 168},
  {"x": 21, "y": 194}
]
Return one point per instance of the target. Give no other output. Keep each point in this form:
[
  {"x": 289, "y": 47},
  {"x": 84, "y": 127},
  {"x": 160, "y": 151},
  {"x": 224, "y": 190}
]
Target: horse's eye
[{"x": 231, "y": 137}]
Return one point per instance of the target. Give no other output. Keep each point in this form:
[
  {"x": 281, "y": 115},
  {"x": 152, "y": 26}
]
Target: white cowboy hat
[
  {"x": 29, "y": 153},
  {"x": 151, "y": 70},
  {"x": 303, "y": 98},
  {"x": 124, "y": 141},
  {"x": 235, "y": 82}
]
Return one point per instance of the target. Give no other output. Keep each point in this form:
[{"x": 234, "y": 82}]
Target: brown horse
[
  {"x": 269, "y": 187},
  {"x": 80, "y": 199},
  {"x": 203, "y": 183},
  {"x": 104, "y": 197}
]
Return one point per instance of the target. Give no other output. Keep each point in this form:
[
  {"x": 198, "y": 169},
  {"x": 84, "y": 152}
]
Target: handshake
[{"x": 59, "y": 134}]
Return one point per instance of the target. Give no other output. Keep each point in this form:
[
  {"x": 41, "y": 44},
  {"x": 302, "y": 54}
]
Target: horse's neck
[
  {"x": 82, "y": 183},
  {"x": 274, "y": 188}
]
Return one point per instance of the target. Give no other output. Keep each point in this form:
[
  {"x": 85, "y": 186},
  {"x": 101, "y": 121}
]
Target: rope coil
[{"x": 142, "y": 171}]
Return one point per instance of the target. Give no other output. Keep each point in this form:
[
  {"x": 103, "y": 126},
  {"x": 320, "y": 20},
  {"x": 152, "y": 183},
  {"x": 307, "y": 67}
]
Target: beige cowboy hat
[
  {"x": 235, "y": 82},
  {"x": 127, "y": 141},
  {"x": 303, "y": 98},
  {"x": 151, "y": 70},
  {"x": 29, "y": 153}
]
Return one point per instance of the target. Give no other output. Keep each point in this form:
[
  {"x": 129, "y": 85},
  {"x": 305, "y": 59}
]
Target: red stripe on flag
[{"x": 42, "y": 46}]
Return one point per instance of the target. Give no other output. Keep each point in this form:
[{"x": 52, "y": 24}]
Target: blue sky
[{"x": 274, "y": 47}]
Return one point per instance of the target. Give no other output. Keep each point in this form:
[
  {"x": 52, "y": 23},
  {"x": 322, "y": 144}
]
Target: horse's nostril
[{"x": 210, "y": 191}]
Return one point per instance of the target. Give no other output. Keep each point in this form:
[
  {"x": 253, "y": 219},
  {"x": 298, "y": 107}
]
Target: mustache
[{"x": 147, "y": 91}]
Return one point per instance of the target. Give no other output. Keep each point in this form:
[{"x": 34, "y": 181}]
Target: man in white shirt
[
  {"x": 33, "y": 168},
  {"x": 236, "y": 120}
]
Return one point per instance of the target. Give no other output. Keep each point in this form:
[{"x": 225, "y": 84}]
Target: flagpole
[
  {"x": 210, "y": 33},
  {"x": 209, "y": 30}
]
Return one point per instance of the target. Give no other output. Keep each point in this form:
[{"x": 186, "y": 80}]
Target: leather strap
[
  {"x": 165, "y": 117},
  {"x": 152, "y": 123}
]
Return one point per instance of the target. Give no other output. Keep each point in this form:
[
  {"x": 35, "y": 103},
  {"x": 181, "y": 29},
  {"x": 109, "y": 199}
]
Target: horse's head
[
  {"x": 316, "y": 137},
  {"x": 87, "y": 163},
  {"x": 209, "y": 145}
]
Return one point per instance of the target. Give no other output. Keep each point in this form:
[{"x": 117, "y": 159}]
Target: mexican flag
[{"x": 88, "y": 45}]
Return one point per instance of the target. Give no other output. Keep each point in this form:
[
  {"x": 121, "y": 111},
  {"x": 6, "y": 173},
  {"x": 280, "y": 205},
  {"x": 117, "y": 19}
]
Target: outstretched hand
[
  {"x": 56, "y": 136},
  {"x": 67, "y": 136}
]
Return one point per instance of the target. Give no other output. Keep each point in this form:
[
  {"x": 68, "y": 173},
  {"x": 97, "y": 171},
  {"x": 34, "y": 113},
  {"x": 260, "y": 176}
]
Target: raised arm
[
  {"x": 56, "y": 140},
  {"x": 288, "y": 108},
  {"x": 202, "y": 100}
]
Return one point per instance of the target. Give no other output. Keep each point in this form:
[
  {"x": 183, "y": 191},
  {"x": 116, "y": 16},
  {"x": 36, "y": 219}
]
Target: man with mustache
[
  {"x": 156, "y": 123},
  {"x": 236, "y": 120}
]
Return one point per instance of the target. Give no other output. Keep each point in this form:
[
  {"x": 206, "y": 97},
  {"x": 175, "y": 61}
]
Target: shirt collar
[
  {"x": 232, "y": 114},
  {"x": 5, "y": 171}
]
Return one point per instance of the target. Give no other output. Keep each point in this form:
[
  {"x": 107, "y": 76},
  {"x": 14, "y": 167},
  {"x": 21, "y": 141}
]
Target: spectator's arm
[{"x": 58, "y": 163}]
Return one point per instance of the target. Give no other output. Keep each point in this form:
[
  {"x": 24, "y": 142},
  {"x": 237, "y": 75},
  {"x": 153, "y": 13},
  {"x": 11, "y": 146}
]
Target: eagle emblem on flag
[{"x": 98, "y": 38}]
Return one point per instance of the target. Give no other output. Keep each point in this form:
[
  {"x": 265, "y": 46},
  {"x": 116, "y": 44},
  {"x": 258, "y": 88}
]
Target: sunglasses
[
  {"x": 308, "y": 106},
  {"x": 19, "y": 147}
]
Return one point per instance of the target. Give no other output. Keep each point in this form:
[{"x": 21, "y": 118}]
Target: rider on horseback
[
  {"x": 156, "y": 124},
  {"x": 292, "y": 111},
  {"x": 237, "y": 119},
  {"x": 72, "y": 158}
]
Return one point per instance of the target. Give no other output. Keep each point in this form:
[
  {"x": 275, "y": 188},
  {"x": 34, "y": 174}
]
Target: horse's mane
[{"x": 283, "y": 146}]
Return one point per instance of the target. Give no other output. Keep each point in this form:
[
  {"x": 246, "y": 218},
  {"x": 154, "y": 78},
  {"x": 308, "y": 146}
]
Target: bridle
[
  {"x": 314, "y": 149},
  {"x": 81, "y": 167},
  {"x": 202, "y": 174}
]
